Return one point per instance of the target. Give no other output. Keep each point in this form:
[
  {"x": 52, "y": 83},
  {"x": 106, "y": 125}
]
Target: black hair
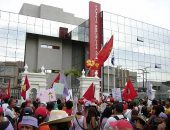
[
  {"x": 69, "y": 104},
  {"x": 50, "y": 106},
  {"x": 60, "y": 106},
  {"x": 119, "y": 107},
  {"x": 91, "y": 113},
  {"x": 58, "y": 101},
  {"x": 106, "y": 113},
  {"x": 10, "y": 100}
]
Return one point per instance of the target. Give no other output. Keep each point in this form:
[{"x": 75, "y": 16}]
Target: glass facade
[
  {"x": 13, "y": 30},
  {"x": 138, "y": 47}
]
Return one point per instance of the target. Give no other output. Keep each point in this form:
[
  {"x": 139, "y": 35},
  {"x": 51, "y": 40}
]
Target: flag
[
  {"x": 25, "y": 87},
  {"x": 95, "y": 64},
  {"x": 61, "y": 78},
  {"x": 105, "y": 51},
  {"x": 56, "y": 80},
  {"x": 89, "y": 94},
  {"x": 129, "y": 92},
  {"x": 63, "y": 81},
  {"x": 8, "y": 92}
]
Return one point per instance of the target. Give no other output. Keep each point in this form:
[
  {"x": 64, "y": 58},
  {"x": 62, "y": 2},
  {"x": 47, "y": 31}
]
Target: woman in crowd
[
  {"x": 105, "y": 115},
  {"x": 79, "y": 122},
  {"x": 92, "y": 119}
]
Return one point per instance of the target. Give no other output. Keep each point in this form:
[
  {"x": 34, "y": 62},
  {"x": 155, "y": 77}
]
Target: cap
[
  {"x": 163, "y": 115},
  {"x": 29, "y": 120},
  {"x": 28, "y": 111},
  {"x": 1, "y": 110},
  {"x": 41, "y": 111}
]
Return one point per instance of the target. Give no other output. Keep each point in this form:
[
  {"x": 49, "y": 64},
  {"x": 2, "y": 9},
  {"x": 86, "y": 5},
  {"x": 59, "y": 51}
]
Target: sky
[{"x": 156, "y": 12}]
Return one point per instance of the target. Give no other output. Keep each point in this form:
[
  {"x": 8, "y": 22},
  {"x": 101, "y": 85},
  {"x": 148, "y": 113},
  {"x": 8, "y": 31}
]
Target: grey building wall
[
  {"x": 31, "y": 52},
  {"x": 50, "y": 58},
  {"x": 54, "y": 13}
]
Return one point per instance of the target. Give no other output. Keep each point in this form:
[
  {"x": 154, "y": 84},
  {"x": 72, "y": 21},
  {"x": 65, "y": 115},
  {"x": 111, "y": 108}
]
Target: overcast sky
[{"x": 156, "y": 12}]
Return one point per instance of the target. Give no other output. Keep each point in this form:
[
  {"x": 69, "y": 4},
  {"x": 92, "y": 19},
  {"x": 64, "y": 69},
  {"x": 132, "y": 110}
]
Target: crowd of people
[{"x": 105, "y": 114}]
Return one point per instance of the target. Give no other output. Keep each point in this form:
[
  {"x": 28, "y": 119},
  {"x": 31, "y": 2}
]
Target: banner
[
  {"x": 47, "y": 95},
  {"x": 116, "y": 93},
  {"x": 58, "y": 88}
]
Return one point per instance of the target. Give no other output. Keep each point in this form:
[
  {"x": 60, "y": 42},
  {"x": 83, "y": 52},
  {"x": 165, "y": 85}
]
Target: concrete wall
[
  {"x": 31, "y": 52},
  {"x": 54, "y": 13},
  {"x": 49, "y": 58}
]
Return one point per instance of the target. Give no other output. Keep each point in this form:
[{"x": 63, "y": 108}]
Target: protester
[
  {"x": 5, "y": 124},
  {"x": 10, "y": 113},
  {"x": 41, "y": 115},
  {"x": 139, "y": 122},
  {"x": 117, "y": 111},
  {"x": 29, "y": 123},
  {"x": 68, "y": 108},
  {"x": 79, "y": 122},
  {"x": 92, "y": 119},
  {"x": 105, "y": 115},
  {"x": 59, "y": 120}
]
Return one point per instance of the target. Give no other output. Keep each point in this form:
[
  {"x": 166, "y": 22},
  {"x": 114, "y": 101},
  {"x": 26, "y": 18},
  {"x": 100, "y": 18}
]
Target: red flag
[
  {"x": 89, "y": 94},
  {"x": 8, "y": 92},
  {"x": 129, "y": 92},
  {"x": 101, "y": 57},
  {"x": 57, "y": 79},
  {"x": 25, "y": 87}
]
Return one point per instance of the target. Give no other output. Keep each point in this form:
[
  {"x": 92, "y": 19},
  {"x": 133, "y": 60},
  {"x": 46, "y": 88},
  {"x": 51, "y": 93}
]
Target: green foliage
[{"x": 73, "y": 72}]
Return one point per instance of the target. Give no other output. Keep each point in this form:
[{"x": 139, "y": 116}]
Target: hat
[
  {"x": 121, "y": 124},
  {"x": 94, "y": 104},
  {"x": 1, "y": 110},
  {"x": 163, "y": 115},
  {"x": 29, "y": 120},
  {"x": 41, "y": 111},
  {"x": 58, "y": 116},
  {"x": 28, "y": 111},
  {"x": 140, "y": 117}
]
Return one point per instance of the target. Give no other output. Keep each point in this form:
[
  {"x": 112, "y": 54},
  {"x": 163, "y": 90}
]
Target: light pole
[{"x": 144, "y": 71}]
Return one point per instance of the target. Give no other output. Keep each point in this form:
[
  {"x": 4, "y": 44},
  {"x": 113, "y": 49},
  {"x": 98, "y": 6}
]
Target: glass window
[
  {"x": 22, "y": 19},
  {"x": 46, "y": 23},
  {"x": 21, "y": 44},
  {"x": 11, "y": 52},
  {"x": 106, "y": 25},
  {"x": 13, "y": 17},
  {"x": 127, "y": 21},
  {"x": 20, "y": 53},
  {"x": 121, "y": 28},
  {"x": 128, "y": 38},
  {"x": 11, "y": 43},
  {"x": 3, "y": 51},
  {"x": 122, "y": 37},
  {"x": 3, "y": 24},
  {"x": 134, "y": 31},
  {"x": 12, "y": 34},
  {"x": 114, "y": 18},
  {"x": 150, "y": 28},
  {"x": 121, "y": 20},
  {"x": 139, "y": 24},
  {"x": 21, "y": 27},
  {"x": 21, "y": 36},
  {"x": 4, "y": 15},
  {"x": 13, "y": 26},
  {"x": 2, "y": 58},
  {"x": 3, "y": 33},
  {"x": 39, "y": 22},
  {"x": 30, "y": 28},
  {"x": 10, "y": 59},
  {"x": 3, "y": 42},
  {"x": 114, "y": 27},
  {"x": 122, "y": 54},
  {"x": 133, "y": 22},
  {"x": 31, "y": 20},
  {"x": 128, "y": 30}
]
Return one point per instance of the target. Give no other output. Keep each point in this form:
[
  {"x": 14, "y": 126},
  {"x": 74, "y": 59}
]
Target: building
[{"x": 59, "y": 41}]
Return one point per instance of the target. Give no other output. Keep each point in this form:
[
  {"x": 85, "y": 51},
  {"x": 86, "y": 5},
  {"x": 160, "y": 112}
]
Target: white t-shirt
[
  {"x": 112, "y": 119},
  {"x": 4, "y": 106}
]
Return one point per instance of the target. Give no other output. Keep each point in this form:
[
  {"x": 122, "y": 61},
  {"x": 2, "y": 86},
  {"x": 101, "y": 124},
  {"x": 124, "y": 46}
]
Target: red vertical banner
[{"x": 95, "y": 31}]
